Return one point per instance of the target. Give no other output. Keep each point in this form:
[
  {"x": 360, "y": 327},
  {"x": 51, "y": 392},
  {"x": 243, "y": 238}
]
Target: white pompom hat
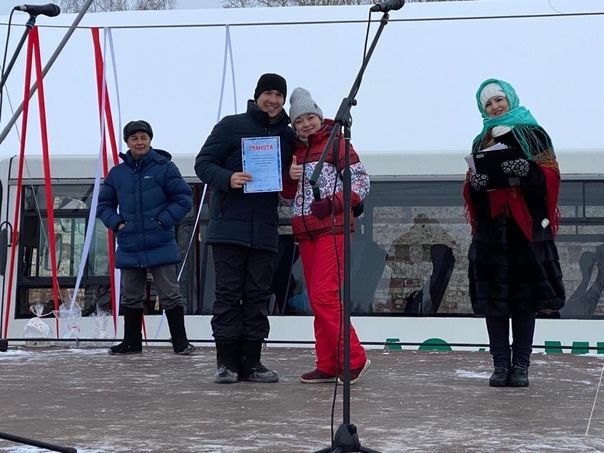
[{"x": 490, "y": 90}]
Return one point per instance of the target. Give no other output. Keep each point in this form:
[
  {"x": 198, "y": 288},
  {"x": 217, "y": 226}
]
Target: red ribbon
[
  {"x": 33, "y": 55},
  {"x": 103, "y": 94}
]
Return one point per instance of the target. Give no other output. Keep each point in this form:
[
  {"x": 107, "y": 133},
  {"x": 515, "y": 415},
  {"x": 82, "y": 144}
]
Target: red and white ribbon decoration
[{"x": 33, "y": 56}]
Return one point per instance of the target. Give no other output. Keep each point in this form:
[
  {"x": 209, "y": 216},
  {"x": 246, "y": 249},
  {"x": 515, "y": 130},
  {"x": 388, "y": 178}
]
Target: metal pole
[
  {"x": 50, "y": 62},
  {"x": 37, "y": 443}
]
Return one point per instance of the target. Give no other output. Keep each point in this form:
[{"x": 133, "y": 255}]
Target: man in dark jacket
[
  {"x": 243, "y": 232},
  {"x": 152, "y": 197}
]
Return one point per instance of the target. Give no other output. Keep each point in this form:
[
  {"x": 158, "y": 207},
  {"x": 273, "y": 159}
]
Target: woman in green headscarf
[{"x": 514, "y": 270}]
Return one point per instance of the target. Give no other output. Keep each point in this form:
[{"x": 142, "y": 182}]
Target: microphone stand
[
  {"x": 28, "y": 26},
  {"x": 346, "y": 438},
  {"x": 47, "y": 67}
]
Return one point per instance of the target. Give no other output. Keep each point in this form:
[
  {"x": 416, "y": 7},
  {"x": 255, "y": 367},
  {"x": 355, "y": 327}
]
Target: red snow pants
[{"x": 323, "y": 263}]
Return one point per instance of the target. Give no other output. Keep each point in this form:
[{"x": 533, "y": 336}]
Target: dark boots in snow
[
  {"x": 500, "y": 377},
  {"x": 178, "y": 334},
  {"x": 250, "y": 368},
  {"x": 519, "y": 376},
  {"x": 133, "y": 338},
  {"x": 227, "y": 360}
]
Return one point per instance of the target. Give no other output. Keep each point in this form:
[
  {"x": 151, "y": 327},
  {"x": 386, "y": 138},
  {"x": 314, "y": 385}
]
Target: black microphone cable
[
  {"x": 335, "y": 156},
  {"x": 10, "y": 20}
]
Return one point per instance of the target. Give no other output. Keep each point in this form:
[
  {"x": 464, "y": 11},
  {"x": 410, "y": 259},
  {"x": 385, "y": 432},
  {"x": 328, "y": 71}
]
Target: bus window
[
  {"x": 407, "y": 219},
  {"x": 71, "y": 209}
]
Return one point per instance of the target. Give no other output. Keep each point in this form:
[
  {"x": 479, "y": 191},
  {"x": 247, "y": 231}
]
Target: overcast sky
[{"x": 7, "y": 5}]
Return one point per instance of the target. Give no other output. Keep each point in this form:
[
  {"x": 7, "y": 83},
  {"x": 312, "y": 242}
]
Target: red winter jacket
[{"x": 304, "y": 224}]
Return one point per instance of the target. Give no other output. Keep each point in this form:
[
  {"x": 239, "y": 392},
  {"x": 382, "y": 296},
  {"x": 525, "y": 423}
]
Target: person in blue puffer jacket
[{"x": 141, "y": 201}]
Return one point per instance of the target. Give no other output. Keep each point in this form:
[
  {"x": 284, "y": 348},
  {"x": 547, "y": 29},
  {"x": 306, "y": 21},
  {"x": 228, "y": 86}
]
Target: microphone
[
  {"x": 388, "y": 5},
  {"x": 50, "y": 9}
]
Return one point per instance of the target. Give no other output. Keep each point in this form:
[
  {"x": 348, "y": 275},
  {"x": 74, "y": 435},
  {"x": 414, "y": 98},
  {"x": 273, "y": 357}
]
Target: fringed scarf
[{"x": 510, "y": 201}]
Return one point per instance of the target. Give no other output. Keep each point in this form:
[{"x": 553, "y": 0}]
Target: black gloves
[
  {"x": 516, "y": 167},
  {"x": 321, "y": 208},
  {"x": 479, "y": 181}
]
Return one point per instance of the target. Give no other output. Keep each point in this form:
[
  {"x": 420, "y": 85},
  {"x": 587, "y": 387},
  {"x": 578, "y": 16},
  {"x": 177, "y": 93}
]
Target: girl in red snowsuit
[{"x": 318, "y": 227}]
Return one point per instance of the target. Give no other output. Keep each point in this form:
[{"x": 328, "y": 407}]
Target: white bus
[{"x": 413, "y": 228}]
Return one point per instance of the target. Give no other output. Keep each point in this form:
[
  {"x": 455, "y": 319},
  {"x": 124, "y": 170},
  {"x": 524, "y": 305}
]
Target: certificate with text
[{"x": 261, "y": 157}]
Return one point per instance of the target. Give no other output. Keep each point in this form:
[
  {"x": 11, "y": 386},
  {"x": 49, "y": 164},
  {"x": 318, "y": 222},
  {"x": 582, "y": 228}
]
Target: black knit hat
[
  {"x": 137, "y": 126},
  {"x": 268, "y": 82}
]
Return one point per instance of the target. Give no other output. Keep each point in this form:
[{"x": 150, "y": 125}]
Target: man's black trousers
[{"x": 243, "y": 281}]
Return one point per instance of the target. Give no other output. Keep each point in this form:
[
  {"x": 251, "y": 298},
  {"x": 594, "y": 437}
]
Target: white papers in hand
[
  {"x": 495, "y": 147},
  {"x": 261, "y": 157},
  {"x": 470, "y": 161}
]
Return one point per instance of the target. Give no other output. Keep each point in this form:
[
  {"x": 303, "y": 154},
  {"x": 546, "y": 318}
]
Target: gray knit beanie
[{"x": 301, "y": 103}]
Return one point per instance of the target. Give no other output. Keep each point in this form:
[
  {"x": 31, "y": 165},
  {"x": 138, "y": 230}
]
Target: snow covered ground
[{"x": 409, "y": 401}]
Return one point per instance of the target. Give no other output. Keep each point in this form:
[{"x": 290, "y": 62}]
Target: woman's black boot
[
  {"x": 519, "y": 376},
  {"x": 500, "y": 377}
]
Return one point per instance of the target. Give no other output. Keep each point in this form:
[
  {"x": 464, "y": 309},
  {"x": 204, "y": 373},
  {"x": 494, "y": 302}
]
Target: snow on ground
[{"x": 409, "y": 401}]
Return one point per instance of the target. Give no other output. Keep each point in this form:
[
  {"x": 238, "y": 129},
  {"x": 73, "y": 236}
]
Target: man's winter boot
[
  {"x": 500, "y": 377},
  {"x": 250, "y": 367},
  {"x": 519, "y": 376},
  {"x": 227, "y": 360},
  {"x": 176, "y": 323},
  {"x": 133, "y": 338}
]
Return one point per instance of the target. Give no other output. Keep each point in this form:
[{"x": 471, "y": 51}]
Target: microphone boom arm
[
  {"x": 28, "y": 26},
  {"x": 343, "y": 117}
]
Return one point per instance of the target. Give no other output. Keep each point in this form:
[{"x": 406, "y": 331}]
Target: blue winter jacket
[{"x": 152, "y": 197}]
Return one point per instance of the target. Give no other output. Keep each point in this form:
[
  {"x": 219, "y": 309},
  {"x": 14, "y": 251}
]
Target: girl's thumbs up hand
[{"x": 295, "y": 170}]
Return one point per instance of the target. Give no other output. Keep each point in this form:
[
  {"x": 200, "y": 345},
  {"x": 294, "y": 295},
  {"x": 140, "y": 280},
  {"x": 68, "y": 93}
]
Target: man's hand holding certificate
[
  {"x": 261, "y": 157},
  {"x": 239, "y": 179}
]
